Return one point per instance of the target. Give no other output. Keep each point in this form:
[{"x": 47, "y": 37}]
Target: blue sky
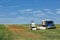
[{"x": 23, "y": 11}]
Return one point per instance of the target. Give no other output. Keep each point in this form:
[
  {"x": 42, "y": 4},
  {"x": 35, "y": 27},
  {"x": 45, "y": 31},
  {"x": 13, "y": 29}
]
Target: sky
[{"x": 23, "y": 11}]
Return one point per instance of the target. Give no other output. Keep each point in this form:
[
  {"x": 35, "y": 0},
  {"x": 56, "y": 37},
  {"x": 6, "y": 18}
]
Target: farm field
[{"x": 22, "y": 32}]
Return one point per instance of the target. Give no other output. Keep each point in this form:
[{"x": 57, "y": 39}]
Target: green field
[{"x": 22, "y": 32}]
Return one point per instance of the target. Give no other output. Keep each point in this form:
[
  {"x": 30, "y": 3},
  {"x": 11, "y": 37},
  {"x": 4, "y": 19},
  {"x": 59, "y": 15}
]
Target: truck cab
[{"x": 50, "y": 24}]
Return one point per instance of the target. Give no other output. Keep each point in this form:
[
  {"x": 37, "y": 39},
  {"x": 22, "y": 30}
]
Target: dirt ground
[{"x": 20, "y": 30}]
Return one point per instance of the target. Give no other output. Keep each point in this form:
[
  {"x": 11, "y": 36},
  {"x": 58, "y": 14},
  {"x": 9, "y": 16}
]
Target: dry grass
[{"x": 22, "y": 32}]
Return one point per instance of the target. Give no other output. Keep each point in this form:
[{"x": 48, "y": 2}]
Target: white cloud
[
  {"x": 50, "y": 11},
  {"x": 30, "y": 11},
  {"x": 39, "y": 15},
  {"x": 25, "y": 11},
  {"x": 37, "y": 11},
  {"x": 58, "y": 11},
  {"x": 36, "y": 14}
]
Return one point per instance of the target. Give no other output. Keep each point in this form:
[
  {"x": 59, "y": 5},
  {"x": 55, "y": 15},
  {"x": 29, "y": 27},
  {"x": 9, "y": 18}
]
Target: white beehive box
[
  {"x": 33, "y": 28},
  {"x": 43, "y": 28}
]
